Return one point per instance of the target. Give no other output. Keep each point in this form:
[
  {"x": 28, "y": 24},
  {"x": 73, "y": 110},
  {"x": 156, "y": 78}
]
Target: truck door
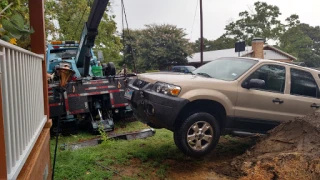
[
  {"x": 266, "y": 104},
  {"x": 304, "y": 93}
]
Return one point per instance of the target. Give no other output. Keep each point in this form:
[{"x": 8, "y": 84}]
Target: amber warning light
[{"x": 63, "y": 42}]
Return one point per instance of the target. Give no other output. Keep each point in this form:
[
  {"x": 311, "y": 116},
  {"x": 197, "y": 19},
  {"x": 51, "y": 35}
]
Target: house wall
[{"x": 271, "y": 54}]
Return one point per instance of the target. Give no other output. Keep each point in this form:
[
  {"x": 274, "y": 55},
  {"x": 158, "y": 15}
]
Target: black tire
[
  {"x": 110, "y": 69},
  {"x": 202, "y": 143}
]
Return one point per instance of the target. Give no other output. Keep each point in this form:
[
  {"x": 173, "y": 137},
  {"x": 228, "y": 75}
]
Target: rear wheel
[{"x": 198, "y": 134}]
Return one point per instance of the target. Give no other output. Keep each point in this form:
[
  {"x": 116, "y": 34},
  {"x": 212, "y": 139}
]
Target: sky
[{"x": 216, "y": 13}]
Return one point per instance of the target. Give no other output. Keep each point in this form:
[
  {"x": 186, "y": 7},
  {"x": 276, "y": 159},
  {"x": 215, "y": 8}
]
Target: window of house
[
  {"x": 273, "y": 75},
  {"x": 303, "y": 83}
]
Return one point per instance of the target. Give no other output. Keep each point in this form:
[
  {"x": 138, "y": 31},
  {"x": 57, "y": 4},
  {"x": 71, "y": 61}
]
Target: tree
[
  {"x": 292, "y": 21},
  {"x": 71, "y": 16},
  {"x": 207, "y": 45},
  {"x": 14, "y": 27},
  {"x": 223, "y": 42},
  {"x": 314, "y": 34},
  {"x": 302, "y": 41},
  {"x": 262, "y": 22},
  {"x": 156, "y": 46},
  {"x": 131, "y": 40},
  {"x": 295, "y": 42}
]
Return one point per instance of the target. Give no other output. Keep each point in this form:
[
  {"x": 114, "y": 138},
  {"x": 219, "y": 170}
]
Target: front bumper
[{"x": 155, "y": 109}]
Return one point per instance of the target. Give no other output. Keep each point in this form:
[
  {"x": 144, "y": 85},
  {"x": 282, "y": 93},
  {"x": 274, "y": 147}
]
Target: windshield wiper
[{"x": 204, "y": 74}]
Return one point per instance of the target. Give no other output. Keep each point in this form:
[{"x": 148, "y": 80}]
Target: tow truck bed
[{"x": 78, "y": 94}]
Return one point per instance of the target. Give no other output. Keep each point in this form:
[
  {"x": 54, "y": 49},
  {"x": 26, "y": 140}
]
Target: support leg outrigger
[{"x": 106, "y": 121}]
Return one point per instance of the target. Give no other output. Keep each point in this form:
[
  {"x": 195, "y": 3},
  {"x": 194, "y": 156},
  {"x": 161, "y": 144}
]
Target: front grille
[{"x": 140, "y": 83}]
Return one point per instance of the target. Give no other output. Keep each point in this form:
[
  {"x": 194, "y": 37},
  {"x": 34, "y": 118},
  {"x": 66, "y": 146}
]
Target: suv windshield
[
  {"x": 62, "y": 53},
  {"x": 225, "y": 69}
]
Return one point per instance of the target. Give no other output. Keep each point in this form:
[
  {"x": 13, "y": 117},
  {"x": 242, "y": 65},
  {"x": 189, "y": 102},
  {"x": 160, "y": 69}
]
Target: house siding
[{"x": 270, "y": 54}]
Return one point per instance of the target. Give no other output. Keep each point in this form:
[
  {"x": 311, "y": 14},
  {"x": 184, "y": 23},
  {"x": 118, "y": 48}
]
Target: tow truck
[{"x": 89, "y": 100}]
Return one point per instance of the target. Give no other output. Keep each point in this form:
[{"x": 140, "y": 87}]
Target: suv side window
[
  {"x": 303, "y": 83},
  {"x": 181, "y": 69},
  {"x": 175, "y": 69},
  {"x": 274, "y": 77}
]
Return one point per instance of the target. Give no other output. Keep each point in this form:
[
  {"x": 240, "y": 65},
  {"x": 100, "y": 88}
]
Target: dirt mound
[{"x": 289, "y": 151}]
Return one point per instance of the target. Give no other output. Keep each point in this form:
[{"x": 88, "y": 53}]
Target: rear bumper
[{"x": 155, "y": 109}]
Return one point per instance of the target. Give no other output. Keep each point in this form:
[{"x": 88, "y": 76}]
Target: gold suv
[{"x": 227, "y": 95}]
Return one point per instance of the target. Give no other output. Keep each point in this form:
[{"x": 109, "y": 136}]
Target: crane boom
[{"x": 88, "y": 36}]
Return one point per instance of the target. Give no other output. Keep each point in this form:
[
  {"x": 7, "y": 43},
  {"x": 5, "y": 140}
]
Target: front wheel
[{"x": 198, "y": 135}]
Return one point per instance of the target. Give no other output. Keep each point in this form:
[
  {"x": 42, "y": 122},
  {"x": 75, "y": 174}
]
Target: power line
[
  {"x": 85, "y": 9},
  {"x": 194, "y": 18},
  {"x": 122, "y": 16},
  {"x": 201, "y": 32},
  {"x": 125, "y": 15},
  {"x": 126, "y": 19},
  {"x": 123, "y": 37}
]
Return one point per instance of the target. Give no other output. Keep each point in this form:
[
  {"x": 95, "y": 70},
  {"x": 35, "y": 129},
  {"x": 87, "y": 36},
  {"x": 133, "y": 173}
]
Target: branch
[{"x": 3, "y": 10}]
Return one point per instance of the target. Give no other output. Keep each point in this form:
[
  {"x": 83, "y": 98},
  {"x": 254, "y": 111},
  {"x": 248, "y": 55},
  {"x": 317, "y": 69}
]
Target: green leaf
[
  {"x": 13, "y": 29},
  {"x": 2, "y": 30},
  {"x": 31, "y": 30},
  {"x": 17, "y": 36},
  {"x": 18, "y": 21},
  {"x": 8, "y": 26},
  {"x": 5, "y": 38}
]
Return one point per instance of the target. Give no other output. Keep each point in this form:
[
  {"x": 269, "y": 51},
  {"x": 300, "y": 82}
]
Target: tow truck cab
[{"x": 65, "y": 52}]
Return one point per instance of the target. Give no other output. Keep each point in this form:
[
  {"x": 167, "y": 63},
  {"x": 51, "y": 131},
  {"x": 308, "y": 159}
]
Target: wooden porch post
[
  {"x": 3, "y": 164},
  {"x": 38, "y": 42}
]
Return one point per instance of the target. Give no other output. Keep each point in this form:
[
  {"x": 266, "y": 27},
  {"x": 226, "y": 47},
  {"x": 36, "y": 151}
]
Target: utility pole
[{"x": 201, "y": 33}]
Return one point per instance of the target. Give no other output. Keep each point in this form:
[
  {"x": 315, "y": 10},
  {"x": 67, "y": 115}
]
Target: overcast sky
[{"x": 216, "y": 13}]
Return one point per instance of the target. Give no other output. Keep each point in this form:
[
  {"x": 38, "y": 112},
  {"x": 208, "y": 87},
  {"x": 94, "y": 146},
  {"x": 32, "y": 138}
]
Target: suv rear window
[{"x": 303, "y": 83}]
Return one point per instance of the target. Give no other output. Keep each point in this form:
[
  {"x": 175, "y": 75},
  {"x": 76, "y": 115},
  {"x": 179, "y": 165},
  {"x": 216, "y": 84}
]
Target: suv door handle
[
  {"x": 314, "y": 105},
  {"x": 277, "y": 100}
]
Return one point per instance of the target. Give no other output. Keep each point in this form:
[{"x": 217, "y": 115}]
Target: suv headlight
[{"x": 165, "y": 88}]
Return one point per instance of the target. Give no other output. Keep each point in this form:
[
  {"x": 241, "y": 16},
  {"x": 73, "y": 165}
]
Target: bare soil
[
  {"x": 289, "y": 151},
  {"x": 215, "y": 166}
]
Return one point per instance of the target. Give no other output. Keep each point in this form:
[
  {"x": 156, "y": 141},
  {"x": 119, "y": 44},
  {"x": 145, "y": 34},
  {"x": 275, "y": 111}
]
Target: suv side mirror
[{"x": 254, "y": 83}]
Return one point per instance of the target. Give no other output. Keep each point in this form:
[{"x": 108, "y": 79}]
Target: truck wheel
[{"x": 198, "y": 135}]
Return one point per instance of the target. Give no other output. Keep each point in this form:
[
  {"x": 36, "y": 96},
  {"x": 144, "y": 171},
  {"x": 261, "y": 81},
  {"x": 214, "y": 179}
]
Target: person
[
  {"x": 124, "y": 69},
  {"x": 50, "y": 76}
]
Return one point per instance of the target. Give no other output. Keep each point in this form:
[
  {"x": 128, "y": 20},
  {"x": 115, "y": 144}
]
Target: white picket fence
[{"x": 22, "y": 101}]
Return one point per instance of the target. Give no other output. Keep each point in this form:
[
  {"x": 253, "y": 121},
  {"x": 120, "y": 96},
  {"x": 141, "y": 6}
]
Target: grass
[
  {"x": 122, "y": 126},
  {"x": 148, "y": 158},
  {"x": 88, "y": 163}
]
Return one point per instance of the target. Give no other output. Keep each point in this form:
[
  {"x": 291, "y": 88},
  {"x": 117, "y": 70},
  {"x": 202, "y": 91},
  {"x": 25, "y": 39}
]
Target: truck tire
[
  {"x": 198, "y": 134},
  {"x": 110, "y": 69}
]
